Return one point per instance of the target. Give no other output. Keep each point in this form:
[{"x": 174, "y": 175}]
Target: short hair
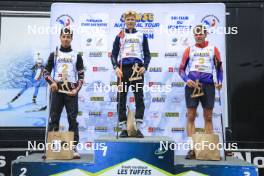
[
  {"x": 199, "y": 29},
  {"x": 66, "y": 30},
  {"x": 130, "y": 13}
]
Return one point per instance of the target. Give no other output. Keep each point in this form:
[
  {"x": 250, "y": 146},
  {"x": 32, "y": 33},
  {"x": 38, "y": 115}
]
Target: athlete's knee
[
  {"x": 191, "y": 113},
  {"x": 73, "y": 122},
  {"x": 55, "y": 115}
]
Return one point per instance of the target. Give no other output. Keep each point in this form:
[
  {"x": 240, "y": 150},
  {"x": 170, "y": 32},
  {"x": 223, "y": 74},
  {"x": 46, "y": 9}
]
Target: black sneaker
[
  {"x": 190, "y": 155},
  {"x": 139, "y": 134},
  {"x": 123, "y": 134}
]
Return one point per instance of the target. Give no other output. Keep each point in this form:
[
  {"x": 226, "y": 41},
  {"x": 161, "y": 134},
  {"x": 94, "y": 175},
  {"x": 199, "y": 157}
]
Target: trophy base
[
  {"x": 64, "y": 91},
  {"x": 197, "y": 95},
  {"x": 135, "y": 78}
]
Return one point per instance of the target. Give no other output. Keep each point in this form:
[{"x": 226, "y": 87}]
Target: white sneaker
[{"x": 76, "y": 154}]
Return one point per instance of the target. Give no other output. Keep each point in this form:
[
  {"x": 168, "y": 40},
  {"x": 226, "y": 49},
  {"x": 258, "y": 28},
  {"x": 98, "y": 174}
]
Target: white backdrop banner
[{"x": 169, "y": 31}]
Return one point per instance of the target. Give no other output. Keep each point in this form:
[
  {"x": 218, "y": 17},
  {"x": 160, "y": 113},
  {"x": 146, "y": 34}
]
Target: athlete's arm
[
  {"x": 48, "y": 68},
  {"x": 115, "y": 51},
  {"x": 80, "y": 69},
  {"x": 184, "y": 63},
  {"x": 146, "y": 52},
  {"x": 218, "y": 65}
]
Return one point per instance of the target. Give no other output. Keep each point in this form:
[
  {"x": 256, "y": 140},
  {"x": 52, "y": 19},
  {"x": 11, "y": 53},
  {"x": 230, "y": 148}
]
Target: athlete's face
[
  {"x": 65, "y": 40},
  {"x": 199, "y": 36},
  {"x": 130, "y": 21}
]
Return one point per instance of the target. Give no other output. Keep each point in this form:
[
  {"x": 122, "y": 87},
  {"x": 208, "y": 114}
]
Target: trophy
[
  {"x": 197, "y": 92},
  {"x": 135, "y": 75},
  {"x": 64, "y": 87}
]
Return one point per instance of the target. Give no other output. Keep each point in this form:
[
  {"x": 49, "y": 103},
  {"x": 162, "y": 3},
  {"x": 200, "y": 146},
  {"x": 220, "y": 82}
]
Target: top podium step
[{"x": 146, "y": 149}]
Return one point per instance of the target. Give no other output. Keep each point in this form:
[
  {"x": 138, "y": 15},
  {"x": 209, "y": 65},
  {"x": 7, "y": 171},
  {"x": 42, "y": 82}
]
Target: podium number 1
[{"x": 23, "y": 171}]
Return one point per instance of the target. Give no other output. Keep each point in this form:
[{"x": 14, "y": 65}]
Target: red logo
[
  {"x": 88, "y": 144},
  {"x": 171, "y": 69},
  {"x": 150, "y": 129},
  {"x": 95, "y": 69},
  {"x": 131, "y": 99},
  {"x": 110, "y": 114},
  {"x": 151, "y": 84}
]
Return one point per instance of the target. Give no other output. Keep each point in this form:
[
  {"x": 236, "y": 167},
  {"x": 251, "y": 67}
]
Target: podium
[{"x": 130, "y": 157}]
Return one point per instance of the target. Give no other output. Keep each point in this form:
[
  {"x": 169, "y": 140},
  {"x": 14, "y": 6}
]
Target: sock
[
  {"x": 190, "y": 143},
  {"x": 124, "y": 127}
]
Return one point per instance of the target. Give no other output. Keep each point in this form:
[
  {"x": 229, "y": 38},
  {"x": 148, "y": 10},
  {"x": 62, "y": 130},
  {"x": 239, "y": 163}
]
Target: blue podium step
[
  {"x": 230, "y": 167},
  {"x": 34, "y": 165}
]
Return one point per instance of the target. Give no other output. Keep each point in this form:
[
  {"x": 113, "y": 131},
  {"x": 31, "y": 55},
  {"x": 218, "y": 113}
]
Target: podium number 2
[{"x": 23, "y": 171}]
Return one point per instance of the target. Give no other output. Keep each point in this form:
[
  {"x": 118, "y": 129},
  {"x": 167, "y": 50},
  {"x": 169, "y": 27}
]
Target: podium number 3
[{"x": 23, "y": 171}]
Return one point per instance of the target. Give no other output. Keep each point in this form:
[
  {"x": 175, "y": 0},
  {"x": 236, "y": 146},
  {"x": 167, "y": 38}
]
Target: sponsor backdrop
[{"x": 169, "y": 31}]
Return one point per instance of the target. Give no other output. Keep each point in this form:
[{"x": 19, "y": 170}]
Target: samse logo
[{"x": 141, "y": 17}]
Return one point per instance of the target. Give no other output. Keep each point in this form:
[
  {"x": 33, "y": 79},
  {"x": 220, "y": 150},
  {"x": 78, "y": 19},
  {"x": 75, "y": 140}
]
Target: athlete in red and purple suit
[{"x": 198, "y": 63}]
